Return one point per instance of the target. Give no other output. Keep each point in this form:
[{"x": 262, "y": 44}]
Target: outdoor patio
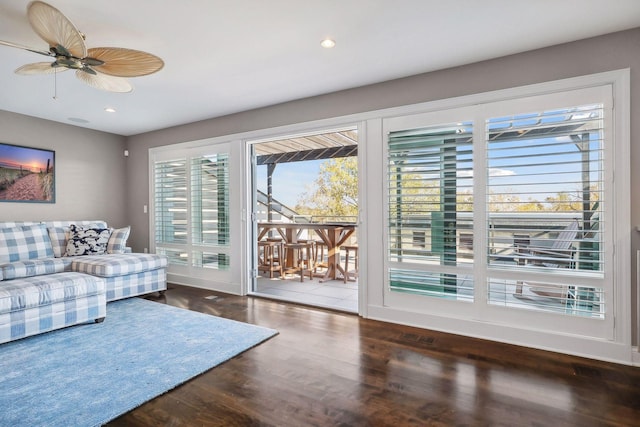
[{"x": 332, "y": 294}]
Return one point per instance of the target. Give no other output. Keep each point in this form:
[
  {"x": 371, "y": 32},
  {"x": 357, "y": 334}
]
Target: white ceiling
[{"x": 226, "y": 56}]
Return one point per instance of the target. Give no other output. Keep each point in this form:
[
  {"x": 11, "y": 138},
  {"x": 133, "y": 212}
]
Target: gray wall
[
  {"x": 605, "y": 53},
  {"x": 90, "y": 171}
]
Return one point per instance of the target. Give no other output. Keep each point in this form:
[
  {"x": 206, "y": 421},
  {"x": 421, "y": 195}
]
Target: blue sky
[{"x": 290, "y": 180}]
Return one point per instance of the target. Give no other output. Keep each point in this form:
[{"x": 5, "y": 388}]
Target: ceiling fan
[{"x": 100, "y": 67}]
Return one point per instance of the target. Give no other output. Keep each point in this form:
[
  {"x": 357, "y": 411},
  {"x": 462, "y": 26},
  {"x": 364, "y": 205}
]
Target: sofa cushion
[
  {"x": 118, "y": 240},
  {"x": 87, "y": 241},
  {"x": 36, "y": 267},
  {"x": 23, "y": 243},
  {"x": 112, "y": 265},
  {"x": 40, "y": 291}
]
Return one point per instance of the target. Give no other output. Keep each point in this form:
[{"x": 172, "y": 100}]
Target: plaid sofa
[
  {"x": 37, "y": 304},
  {"x": 42, "y": 289}
]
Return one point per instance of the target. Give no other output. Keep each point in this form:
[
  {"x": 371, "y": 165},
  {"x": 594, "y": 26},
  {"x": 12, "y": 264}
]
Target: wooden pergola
[{"x": 329, "y": 145}]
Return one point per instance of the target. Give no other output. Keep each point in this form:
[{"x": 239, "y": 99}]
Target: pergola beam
[{"x": 300, "y": 156}]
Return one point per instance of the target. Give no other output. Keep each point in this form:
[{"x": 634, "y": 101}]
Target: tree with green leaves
[{"x": 334, "y": 192}]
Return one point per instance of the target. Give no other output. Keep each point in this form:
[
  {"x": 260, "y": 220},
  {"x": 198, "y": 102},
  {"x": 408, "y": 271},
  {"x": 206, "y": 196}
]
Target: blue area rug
[{"x": 89, "y": 374}]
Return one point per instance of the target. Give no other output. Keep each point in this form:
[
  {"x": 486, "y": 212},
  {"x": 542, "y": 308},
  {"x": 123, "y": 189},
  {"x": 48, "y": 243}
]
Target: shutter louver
[
  {"x": 191, "y": 211},
  {"x": 210, "y": 210},
  {"x": 545, "y": 206},
  {"x": 430, "y": 200},
  {"x": 170, "y": 200},
  {"x": 210, "y": 199}
]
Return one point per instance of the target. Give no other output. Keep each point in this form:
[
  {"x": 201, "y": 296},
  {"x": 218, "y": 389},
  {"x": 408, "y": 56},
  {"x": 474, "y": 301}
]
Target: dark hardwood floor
[{"x": 333, "y": 369}]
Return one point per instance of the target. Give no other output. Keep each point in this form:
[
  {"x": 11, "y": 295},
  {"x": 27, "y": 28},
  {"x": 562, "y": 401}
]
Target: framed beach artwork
[{"x": 27, "y": 174}]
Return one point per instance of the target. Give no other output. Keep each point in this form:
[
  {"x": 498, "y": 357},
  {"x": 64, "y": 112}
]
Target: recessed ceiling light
[
  {"x": 327, "y": 43},
  {"x": 110, "y": 110}
]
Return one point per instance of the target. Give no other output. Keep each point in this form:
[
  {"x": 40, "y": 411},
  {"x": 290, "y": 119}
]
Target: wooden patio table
[{"x": 333, "y": 234}]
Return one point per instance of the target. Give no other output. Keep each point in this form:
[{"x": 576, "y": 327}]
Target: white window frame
[
  {"x": 450, "y": 317},
  {"x": 481, "y": 311},
  {"x": 224, "y": 280}
]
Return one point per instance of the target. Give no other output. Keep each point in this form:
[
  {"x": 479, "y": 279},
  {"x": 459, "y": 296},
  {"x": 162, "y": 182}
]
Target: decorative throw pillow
[
  {"x": 87, "y": 241},
  {"x": 59, "y": 234},
  {"x": 24, "y": 242},
  {"x": 59, "y": 237},
  {"x": 118, "y": 240}
]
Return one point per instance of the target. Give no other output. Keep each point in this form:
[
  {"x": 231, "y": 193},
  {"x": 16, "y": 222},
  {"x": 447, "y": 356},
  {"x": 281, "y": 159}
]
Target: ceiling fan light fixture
[
  {"x": 328, "y": 43},
  {"x": 103, "y": 68}
]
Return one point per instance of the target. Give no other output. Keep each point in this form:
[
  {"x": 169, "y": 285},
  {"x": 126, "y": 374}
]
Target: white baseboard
[
  {"x": 635, "y": 356},
  {"x": 228, "y": 288}
]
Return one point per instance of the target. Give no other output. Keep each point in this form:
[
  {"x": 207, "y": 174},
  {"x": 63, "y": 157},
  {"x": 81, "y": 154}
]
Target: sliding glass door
[{"x": 305, "y": 192}]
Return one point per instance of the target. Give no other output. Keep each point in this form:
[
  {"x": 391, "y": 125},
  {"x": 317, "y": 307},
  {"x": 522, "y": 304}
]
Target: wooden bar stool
[
  {"x": 319, "y": 258},
  {"x": 278, "y": 255},
  {"x": 352, "y": 251},
  {"x": 270, "y": 257},
  {"x": 302, "y": 258}
]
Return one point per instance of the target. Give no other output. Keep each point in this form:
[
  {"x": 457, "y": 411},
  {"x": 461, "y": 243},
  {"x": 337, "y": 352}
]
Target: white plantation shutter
[
  {"x": 430, "y": 201},
  {"x": 210, "y": 199},
  {"x": 210, "y": 209},
  {"x": 192, "y": 209},
  {"x": 171, "y": 208},
  {"x": 546, "y": 205}
]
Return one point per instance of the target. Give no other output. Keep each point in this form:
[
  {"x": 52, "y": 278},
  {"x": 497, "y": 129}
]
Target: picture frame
[{"x": 27, "y": 174}]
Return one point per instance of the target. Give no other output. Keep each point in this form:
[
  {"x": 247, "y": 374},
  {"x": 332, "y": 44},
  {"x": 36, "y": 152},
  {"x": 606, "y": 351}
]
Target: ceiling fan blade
[
  {"x": 54, "y": 28},
  {"x": 38, "y": 68},
  {"x": 41, "y": 52},
  {"x": 104, "y": 82},
  {"x": 123, "y": 62}
]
